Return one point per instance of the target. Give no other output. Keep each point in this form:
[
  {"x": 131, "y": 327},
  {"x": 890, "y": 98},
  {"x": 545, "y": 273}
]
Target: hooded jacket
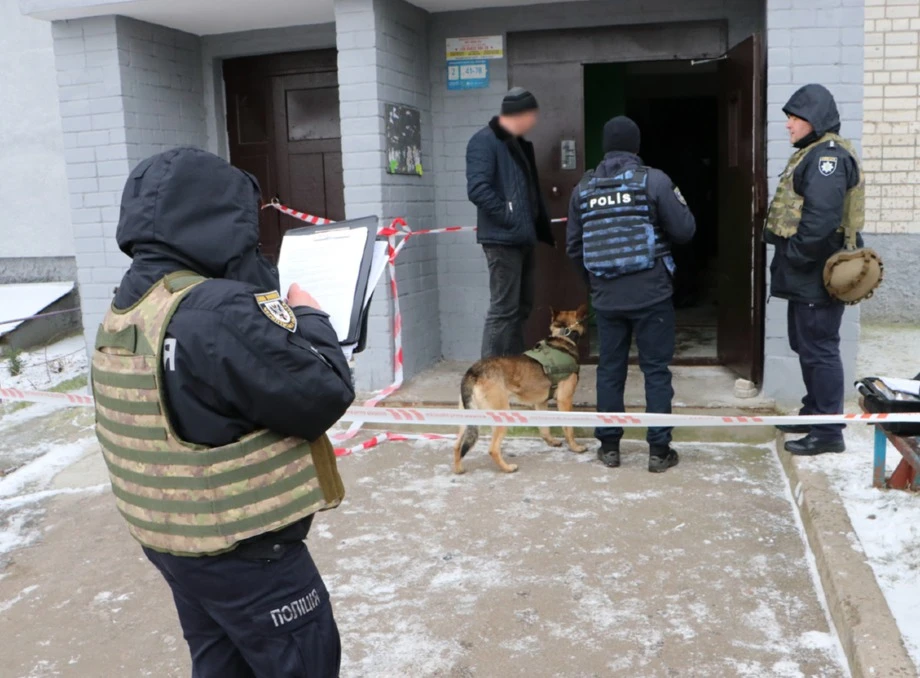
[
  {"x": 233, "y": 370},
  {"x": 502, "y": 181},
  {"x": 669, "y": 212},
  {"x": 797, "y": 269}
]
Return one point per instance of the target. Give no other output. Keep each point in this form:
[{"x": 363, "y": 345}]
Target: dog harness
[{"x": 557, "y": 364}]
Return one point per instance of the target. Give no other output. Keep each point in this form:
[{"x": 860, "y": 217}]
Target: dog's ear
[{"x": 582, "y": 312}]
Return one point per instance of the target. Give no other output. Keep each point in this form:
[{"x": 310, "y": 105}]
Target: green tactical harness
[{"x": 557, "y": 364}]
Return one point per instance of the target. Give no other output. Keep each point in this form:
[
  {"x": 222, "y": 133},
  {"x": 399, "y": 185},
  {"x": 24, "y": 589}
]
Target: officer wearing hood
[
  {"x": 820, "y": 195},
  {"x": 623, "y": 218},
  {"x": 213, "y": 397}
]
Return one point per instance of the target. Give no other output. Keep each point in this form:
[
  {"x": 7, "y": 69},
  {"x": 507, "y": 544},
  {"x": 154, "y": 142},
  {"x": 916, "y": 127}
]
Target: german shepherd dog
[{"x": 491, "y": 383}]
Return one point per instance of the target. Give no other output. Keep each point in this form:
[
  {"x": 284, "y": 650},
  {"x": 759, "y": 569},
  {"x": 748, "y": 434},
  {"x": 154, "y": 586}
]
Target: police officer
[
  {"x": 213, "y": 396},
  {"x": 623, "y": 218},
  {"x": 820, "y": 194}
]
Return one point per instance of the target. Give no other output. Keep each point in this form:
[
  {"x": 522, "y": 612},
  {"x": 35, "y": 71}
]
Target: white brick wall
[
  {"x": 891, "y": 142},
  {"x": 127, "y": 90}
]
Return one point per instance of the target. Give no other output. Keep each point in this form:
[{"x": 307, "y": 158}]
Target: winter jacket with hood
[
  {"x": 233, "y": 370},
  {"x": 668, "y": 212},
  {"x": 502, "y": 181},
  {"x": 797, "y": 269}
]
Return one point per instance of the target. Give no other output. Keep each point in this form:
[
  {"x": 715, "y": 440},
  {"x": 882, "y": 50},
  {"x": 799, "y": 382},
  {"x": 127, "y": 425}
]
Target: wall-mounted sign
[
  {"x": 470, "y": 74},
  {"x": 486, "y": 47},
  {"x": 404, "y": 140}
]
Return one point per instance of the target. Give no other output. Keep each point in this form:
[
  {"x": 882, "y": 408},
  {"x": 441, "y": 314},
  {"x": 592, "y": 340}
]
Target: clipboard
[{"x": 334, "y": 261}]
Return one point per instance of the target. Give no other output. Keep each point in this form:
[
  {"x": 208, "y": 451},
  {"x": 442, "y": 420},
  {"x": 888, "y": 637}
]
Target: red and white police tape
[{"x": 437, "y": 416}]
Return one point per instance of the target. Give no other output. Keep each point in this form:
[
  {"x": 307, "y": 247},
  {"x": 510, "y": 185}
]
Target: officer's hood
[
  {"x": 191, "y": 207},
  {"x": 815, "y": 104}
]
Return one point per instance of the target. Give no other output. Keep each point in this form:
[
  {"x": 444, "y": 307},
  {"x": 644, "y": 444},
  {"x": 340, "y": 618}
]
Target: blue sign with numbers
[{"x": 470, "y": 74}]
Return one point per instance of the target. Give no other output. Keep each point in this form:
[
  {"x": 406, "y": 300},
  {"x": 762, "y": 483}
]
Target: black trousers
[
  {"x": 654, "y": 330},
  {"x": 511, "y": 292},
  {"x": 254, "y": 618},
  {"x": 814, "y": 335}
]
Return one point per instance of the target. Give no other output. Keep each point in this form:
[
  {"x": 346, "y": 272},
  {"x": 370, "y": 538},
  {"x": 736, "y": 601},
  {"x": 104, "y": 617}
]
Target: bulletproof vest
[
  {"x": 619, "y": 237},
  {"x": 557, "y": 364},
  {"x": 786, "y": 209},
  {"x": 176, "y": 496}
]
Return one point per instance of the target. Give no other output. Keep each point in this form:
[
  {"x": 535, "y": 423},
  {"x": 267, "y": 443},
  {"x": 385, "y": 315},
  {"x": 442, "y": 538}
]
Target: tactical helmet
[{"x": 852, "y": 275}]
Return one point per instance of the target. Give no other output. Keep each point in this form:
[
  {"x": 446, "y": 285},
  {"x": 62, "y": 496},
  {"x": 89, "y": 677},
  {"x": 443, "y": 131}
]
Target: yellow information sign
[{"x": 485, "y": 47}]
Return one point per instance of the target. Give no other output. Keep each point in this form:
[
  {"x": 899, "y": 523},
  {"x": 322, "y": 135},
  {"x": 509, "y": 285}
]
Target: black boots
[
  {"x": 662, "y": 458},
  {"x": 794, "y": 428},
  {"x": 609, "y": 453},
  {"x": 810, "y": 446}
]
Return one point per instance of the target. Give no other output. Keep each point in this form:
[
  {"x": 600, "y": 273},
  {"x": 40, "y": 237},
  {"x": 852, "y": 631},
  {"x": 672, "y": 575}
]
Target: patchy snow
[
  {"x": 886, "y": 522},
  {"x": 48, "y": 366},
  {"x": 26, "y": 299},
  {"x": 51, "y": 458}
]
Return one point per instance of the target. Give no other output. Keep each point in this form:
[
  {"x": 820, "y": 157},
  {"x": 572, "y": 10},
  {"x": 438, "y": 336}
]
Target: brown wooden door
[
  {"x": 742, "y": 203},
  {"x": 283, "y": 127},
  {"x": 558, "y": 89}
]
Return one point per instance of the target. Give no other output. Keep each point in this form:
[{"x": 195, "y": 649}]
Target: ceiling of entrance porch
[{"x": 209, "y": 17}]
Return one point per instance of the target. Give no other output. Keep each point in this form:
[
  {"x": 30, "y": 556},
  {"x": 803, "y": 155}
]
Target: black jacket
[
  {"x": 668, "y": 212},
  {"x": 234, "y": 370},
  {"x": 502, "y": 181},
  {"x": 797, "y": 269}
]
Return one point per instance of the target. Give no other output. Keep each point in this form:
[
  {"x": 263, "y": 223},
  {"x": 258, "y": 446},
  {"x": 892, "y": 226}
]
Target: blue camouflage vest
[{"x": 619, "y": 237}]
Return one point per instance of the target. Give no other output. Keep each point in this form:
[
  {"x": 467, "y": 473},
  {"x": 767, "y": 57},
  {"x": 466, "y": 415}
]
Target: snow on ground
[
  {"x": 886, "y": 522},
  {"x": 46, "y": 367}
]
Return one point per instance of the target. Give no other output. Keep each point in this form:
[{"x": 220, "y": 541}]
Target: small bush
[{"x": 14, "y": 356}]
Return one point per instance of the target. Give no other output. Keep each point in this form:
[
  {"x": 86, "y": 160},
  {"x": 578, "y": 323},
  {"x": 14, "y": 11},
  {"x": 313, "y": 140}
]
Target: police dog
[{"x": 491, "y": 384}]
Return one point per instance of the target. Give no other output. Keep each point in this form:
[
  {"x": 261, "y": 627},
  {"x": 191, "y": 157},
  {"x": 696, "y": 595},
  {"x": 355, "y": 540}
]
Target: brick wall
[
  {"x": 126, "y": 90},
  {"x": 464, "y": 295},
  {"x": 809, "y": 41}
]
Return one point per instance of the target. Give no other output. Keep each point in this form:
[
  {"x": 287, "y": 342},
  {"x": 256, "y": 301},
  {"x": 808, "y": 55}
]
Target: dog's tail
[{"x": 468, "y": 435}]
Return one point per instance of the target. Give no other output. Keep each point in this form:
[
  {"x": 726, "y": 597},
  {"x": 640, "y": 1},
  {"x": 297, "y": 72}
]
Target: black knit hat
[
  {"x": 621, "y": 134},
  {"x": 518, "y": 100}
]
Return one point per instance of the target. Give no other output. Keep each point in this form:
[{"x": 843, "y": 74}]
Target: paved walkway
[{"x": 565, "y": 568}]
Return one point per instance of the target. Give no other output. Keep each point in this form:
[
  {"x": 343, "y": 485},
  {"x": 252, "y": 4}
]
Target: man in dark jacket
[
  {"x": 232, "y": 365},
  {"x": 623, "y": 218},
  {"x": 502, "y": 181},
  {"x": 806, "y": 225}
]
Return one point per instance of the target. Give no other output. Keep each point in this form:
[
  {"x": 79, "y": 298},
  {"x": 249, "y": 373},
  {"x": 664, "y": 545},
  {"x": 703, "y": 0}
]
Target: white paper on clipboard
[
  {"x": 377, "y": 267},
  {"x": 902, "y": 385}
]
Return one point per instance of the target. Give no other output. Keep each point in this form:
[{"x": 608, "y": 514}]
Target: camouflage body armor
[
  {"x": 176, "y": 496},
  {"x": 557, "y": 364},
  {"x": 852, "y": 274}
]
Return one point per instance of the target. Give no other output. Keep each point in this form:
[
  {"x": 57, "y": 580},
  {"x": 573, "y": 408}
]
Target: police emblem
[
  {"x": 680, "y": 196},
  {"x": 277, "y": 310},
  {"x": 827, "y": 165}
]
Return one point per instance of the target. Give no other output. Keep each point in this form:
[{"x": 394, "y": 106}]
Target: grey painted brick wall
[
  {"x": 463, "y": 279},
  {"x": 807, "y": 42},
  {"x": 382, "y": 50},
  {"x": 127, "y": 90},
  {"x": 896, "y": 301}
]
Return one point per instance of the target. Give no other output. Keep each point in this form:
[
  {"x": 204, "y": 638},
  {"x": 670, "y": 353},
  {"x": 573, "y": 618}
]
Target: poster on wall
[
  {"x": 404, "y": 140},
  {"x": 469, "y": 74},
  {"x": 485, "y": 47}
]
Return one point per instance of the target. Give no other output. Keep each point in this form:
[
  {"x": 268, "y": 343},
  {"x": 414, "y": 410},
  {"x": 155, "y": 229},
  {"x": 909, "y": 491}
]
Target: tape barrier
[{"x": 520, "y": 418}]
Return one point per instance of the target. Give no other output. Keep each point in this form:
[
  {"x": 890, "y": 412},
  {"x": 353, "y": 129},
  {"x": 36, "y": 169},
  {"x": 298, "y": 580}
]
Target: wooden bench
[{"x": 907, "y": 475}]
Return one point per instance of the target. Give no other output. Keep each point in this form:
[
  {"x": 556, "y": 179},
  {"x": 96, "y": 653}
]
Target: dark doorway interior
[
  {"x": 676, "y": 106},
  {"x": 283, "y": 127}
]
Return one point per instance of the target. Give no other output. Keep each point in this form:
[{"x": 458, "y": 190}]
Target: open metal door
[{"x": 742, "y": 205}]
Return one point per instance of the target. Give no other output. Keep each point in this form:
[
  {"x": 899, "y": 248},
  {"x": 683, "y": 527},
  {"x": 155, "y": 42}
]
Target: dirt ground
[{"x": 565, "y": 568}]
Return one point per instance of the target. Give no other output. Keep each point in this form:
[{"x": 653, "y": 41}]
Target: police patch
[
  {"x": 827, "y": 165},
  {"x": 680, "y": 196},
  {"x": 277, "y": 310}
]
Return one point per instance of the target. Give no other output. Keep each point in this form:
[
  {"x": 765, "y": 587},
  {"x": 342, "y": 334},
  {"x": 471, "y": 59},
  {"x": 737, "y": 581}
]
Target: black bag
[{"x": 878, "y": 399}]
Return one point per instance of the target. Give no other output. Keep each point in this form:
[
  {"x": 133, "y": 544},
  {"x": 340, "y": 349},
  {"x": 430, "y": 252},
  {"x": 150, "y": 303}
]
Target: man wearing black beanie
[
  {"x": 501, "y": 176},
  {"x": 623, "y": 218}
]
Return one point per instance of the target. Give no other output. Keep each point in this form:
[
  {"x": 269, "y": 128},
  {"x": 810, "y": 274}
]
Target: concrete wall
[
  {"x": 464, "y": 295},
  {"x": 891, "y": 154},
  {"x": 382, "y": 59},
  {"x": 127, "y": 90},
  {"x": 809, "y": 41},
  {"x": 33, "y": 183}
]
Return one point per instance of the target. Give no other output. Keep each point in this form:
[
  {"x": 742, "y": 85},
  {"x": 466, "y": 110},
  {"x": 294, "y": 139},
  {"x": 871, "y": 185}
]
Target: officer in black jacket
[
  {"x": 623, "y": 218},
  {"x": 821, "y": 180},
  {"x": 226, "y": 373},
  {"x": 502, "y": 181}
]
